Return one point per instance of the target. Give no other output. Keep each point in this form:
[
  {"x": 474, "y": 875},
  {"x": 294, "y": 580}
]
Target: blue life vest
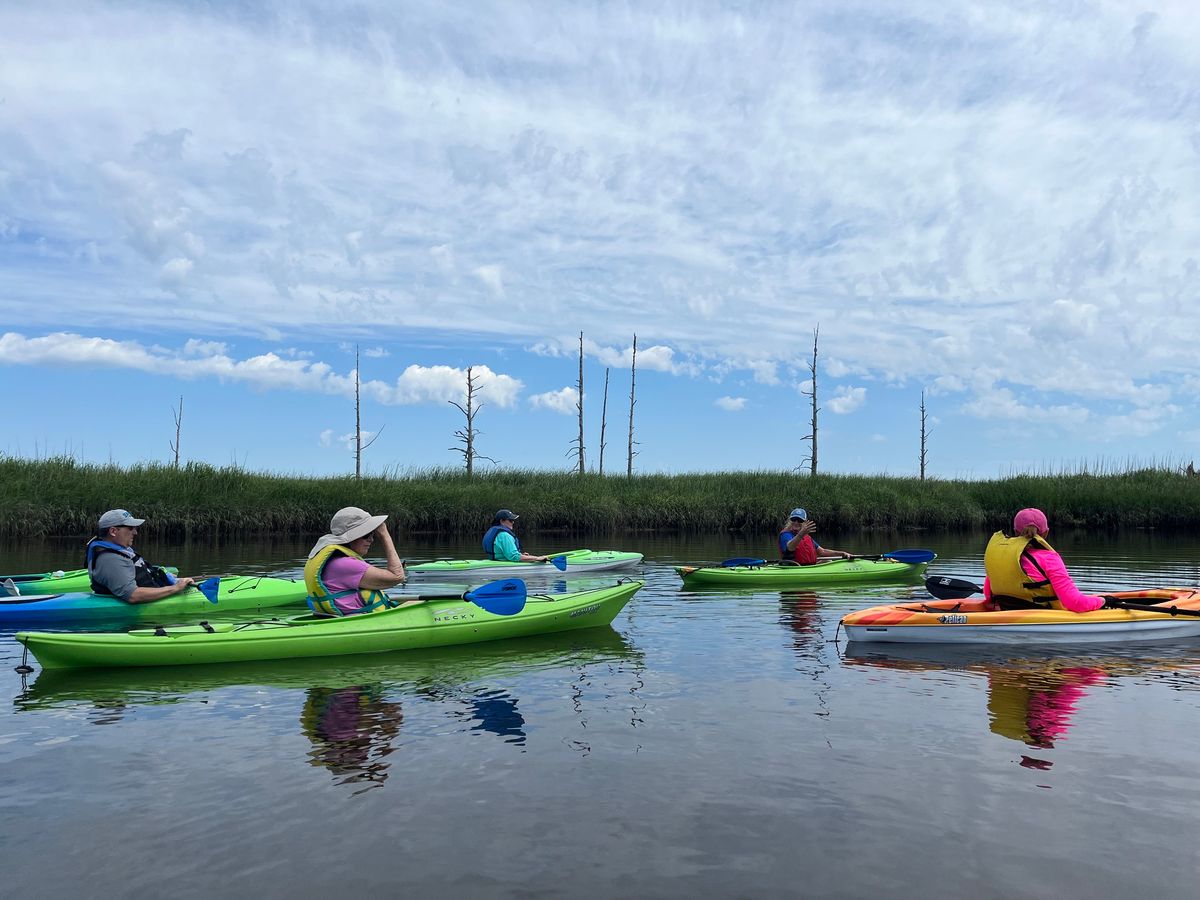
[
  {"x": 489, "y": 540},
  {"x": 144, "y": 574}
]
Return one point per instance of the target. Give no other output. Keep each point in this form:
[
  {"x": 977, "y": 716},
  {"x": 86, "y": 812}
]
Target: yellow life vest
[
  {"x": 320, "y": 597},
  {"x": 1008, "y": 578}
]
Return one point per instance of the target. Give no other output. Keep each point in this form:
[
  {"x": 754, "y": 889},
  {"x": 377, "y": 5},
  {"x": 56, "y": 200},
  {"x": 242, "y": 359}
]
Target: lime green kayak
[
  {"x": 436, "y": 623},
  {"x": 839, "y": 571},
  {"x": 576, "y": 562},
  {"x": 236, "y": 593},
  {"x": 59, "y": 582},
  {"x": 466, "y": 664}
]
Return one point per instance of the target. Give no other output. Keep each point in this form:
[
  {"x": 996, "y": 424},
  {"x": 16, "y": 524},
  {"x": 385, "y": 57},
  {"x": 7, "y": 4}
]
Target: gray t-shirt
[{"x": 115, "y": 572}]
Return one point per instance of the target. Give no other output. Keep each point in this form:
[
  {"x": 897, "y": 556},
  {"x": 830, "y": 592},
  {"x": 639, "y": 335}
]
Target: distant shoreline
[{"x": 61, "y": 497}]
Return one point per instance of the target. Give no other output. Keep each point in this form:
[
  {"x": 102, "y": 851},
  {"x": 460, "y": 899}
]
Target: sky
[{"x": 993, "y": 203}]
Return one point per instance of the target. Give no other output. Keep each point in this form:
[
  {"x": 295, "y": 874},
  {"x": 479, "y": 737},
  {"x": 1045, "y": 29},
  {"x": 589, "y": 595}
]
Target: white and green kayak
[{"x": 571, "y": 562}]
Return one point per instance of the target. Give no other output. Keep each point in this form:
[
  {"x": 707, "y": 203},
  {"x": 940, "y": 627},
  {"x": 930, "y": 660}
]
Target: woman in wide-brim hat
[{"x": 339, "y": 579}]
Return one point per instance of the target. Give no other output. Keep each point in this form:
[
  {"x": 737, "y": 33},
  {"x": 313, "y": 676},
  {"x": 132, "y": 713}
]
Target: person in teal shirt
[{"x": 500, "y": 543}]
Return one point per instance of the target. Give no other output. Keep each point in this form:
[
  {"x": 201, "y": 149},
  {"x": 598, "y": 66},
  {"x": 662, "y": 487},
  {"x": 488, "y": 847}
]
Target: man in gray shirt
[{"x": 117, "y": 570}]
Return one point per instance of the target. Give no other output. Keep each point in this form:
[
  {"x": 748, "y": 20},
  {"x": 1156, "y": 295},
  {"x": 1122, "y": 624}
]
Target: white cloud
[
  {"x": 493, "y": 277},
  {"x": 375, "y": 353},
  {"x": 731, "y": 404},
  {"x": 175, "y": 272},
  {"x": 718, "y": 197},
  {"x": 326, "y": 438},
  {"x": 267, "y": 371},
  {"x": 846, "y": 399},
  {"x": 562, "y": 401}
]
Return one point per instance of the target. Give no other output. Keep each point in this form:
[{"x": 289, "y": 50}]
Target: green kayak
[
  {"x": 59, "y": 582},
  {"x": 839, "y": 571},
  {"x": 575, "y": 562},
  {"x": 437, "y": 623},
  {"x": 449, "y": 667}
]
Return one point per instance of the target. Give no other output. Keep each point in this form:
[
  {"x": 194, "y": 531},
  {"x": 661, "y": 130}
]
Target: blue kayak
[{"x": 235, "y": 593}]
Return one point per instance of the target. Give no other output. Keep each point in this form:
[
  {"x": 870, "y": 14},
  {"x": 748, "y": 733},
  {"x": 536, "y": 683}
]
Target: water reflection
[
  {"x": 1036, "y": 706},
  {"x": 351, "y": 730},
  {"x": 351, "y": 709},
  {"x": 1033, "y": 697},
  {"x": 487, "y": 710},
  {"x": 800, "y": 611}
]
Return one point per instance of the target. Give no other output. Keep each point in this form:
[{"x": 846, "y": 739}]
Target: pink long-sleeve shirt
[{"x": 1064, "y": 588}]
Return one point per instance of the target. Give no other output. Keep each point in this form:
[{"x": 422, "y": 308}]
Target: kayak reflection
[{"x": 353, "y": 710}]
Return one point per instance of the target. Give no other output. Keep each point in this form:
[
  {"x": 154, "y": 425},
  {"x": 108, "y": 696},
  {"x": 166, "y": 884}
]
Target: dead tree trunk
[
  {"x": 466, "y": 435},
  {"x": 924, "y": 434},
  {"x": 357, "y": 422},
  {"x": 359, "y": 446},
  {"x": 579, "y": 404},
  {"x": 811, "y": 437},
  {"x": 603, "y": 420},
  {"x": 178, "y": 413},
  {"x": 632, "y": 401}
]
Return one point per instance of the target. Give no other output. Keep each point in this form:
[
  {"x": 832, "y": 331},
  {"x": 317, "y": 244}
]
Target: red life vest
[{"x": 805, "y": 553}]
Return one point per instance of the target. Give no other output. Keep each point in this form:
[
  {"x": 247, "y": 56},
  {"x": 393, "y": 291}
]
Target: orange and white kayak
[{"x": 975, "y": 621}]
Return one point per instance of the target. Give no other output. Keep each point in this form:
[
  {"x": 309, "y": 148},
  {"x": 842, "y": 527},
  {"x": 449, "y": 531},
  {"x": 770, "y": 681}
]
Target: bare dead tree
[
  {"x": 924, "y": 434},
  {"x": 466, "y": 435},
  {"x": 578, "y": 442},
  {"x": 811, "y": 437},
  {"x": 359, "y": 446},
  {"x": 178, "y": 413},
  {"x": 603, "y": 420},
  {"x": 632, "y": 401}
]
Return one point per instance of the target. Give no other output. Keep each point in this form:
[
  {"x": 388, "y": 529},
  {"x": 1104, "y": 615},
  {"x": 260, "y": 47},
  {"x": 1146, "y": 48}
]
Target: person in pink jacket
[{"x": 1046, "y": 572}]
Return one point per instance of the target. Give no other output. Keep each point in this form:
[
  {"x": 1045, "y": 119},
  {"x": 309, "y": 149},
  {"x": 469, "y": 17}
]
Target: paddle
[
  {"x": 946, "y": 588},
  {"x": 742, "y": 561},
  {"x": 505, "y": 597},
  {"x": 209, "y": 588},
  {"x": 559, "y": 562},
  {"x": 909, "y": 557}
]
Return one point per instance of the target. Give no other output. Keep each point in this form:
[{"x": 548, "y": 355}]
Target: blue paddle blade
[
  {"x": 501, "y": 598},
  {"x": 209, "y": 588},
  {"x": 742, "y": 561},
  {"x": 911, "y": 557},
  {"x": 560, "y": 563}
]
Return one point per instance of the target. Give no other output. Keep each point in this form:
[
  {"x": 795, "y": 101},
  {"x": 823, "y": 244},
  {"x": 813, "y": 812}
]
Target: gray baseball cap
[{"x": 119, "y": 517}]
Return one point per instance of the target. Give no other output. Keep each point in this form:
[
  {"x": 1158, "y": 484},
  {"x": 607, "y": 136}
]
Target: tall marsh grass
[{"x": 60, "y": 496}]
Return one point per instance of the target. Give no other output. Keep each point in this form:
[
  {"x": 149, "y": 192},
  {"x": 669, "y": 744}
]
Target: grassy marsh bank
[{"x": 59, "y": 496}]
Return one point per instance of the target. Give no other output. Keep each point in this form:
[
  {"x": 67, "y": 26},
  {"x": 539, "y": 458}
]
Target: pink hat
[{"x": 1033, "y": 517}]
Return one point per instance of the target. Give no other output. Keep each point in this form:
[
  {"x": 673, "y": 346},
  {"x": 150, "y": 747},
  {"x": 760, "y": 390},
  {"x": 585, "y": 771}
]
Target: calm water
[{"x": 711, "y": 744}]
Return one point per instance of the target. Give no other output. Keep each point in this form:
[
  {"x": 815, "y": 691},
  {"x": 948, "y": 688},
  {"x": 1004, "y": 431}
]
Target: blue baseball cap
[{"x": 798, "y": 513}]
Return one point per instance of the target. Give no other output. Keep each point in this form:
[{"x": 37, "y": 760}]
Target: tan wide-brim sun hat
[{"x": 348, "y": 524}]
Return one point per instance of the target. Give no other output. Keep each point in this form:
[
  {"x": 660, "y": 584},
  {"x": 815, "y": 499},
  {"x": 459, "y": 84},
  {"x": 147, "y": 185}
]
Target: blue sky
[{"x": 992, "y": 202}]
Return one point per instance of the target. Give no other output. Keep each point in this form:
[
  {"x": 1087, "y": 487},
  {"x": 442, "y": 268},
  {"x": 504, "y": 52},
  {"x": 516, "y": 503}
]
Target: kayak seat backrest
[{"x": 8, "y": 588}]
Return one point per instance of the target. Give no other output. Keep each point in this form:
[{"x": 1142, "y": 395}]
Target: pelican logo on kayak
[
  {"x": 585, "y": 610},
  {"x": 953, "y": 620},
  {"x": 455, "y": 614}
]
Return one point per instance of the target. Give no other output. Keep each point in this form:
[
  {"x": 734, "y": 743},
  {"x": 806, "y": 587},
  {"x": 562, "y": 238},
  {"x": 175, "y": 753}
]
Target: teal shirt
[{"x": 505, "y": 548}]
